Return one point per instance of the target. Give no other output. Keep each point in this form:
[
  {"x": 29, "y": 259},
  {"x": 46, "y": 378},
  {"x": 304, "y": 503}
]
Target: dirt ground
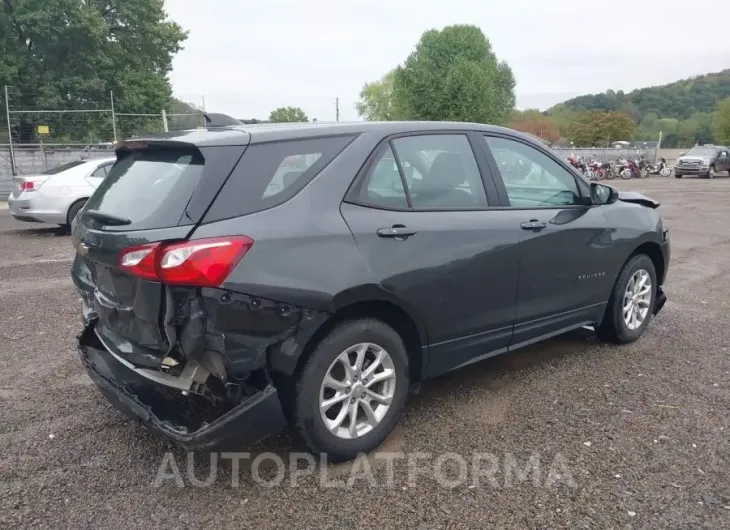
[{"x": 639, "y": 435}]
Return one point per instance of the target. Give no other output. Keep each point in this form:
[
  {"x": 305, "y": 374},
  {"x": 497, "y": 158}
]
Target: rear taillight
[
  {"x": 27, "y": 185},
  {"x": 199, "y": 262},
  {"x": 141, "y": 261}
]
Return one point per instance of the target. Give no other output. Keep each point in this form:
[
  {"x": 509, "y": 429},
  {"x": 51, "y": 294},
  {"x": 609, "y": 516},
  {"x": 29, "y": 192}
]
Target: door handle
[
  {"x": 396, "y": 231},
  {"x": 533, "y": 224}
]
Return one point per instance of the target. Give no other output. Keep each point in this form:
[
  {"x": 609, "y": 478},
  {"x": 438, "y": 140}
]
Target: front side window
[{"x": 532, "y": 179}]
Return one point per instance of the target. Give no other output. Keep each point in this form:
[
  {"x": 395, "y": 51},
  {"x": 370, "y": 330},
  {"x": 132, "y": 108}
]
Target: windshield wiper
[{"x": 107, "y": 219}]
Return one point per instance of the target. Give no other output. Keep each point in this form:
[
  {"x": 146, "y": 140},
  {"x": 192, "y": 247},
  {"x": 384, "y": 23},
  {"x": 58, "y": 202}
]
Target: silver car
[{"x": 57, "y": 195}]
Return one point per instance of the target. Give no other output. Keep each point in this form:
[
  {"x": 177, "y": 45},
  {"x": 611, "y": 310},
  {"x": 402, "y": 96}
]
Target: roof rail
[{"x": 220, "y": 120}]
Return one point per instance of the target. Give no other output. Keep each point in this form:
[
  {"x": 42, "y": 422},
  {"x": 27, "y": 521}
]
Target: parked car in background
[
  {"x": 703, "y": 161},
  {"x": 57, "y": 195},
  {"x": 219, "y": 307}
]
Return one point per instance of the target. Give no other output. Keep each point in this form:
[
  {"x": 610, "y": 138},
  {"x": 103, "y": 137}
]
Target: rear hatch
[{"x": 154, "y": 195}]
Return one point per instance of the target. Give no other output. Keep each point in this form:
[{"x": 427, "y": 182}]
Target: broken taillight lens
[{"x": 199, "y": 262}]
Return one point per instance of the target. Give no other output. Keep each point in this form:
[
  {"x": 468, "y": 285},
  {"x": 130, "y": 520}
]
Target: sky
[{"x": 246, "y": 58}]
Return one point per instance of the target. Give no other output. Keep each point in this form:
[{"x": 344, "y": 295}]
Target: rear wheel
[
  {"x": 74, "y": 210},
  {"x": 631, "y": 304},
  {"x": 351, "y": 390}
]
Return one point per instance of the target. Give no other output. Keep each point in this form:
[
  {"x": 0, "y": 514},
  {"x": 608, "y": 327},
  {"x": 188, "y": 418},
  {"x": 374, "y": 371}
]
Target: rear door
[
  {"x": 421, "y": 217},
  {"x": 147, "y": 196},
  {"x": 565, "y": 243}
]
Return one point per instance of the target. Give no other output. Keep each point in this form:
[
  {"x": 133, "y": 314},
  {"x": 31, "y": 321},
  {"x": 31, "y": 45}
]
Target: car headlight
[{"x": 705, "y": 163}]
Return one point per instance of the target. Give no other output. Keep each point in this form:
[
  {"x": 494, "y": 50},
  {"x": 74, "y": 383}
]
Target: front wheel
[
  {"x": 711, "y": 173},
  {"x": 626, "y": 174},
  {"x": 677, "y": 175},
  {"x": 352, "y": 389},
  {"x": 631, "y": 304},
  {"x": 665, "y": 172}
]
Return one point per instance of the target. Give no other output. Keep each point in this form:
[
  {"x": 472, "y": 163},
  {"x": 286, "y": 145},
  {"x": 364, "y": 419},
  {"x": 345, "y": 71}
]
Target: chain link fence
[{"x": 38, "y": 136}]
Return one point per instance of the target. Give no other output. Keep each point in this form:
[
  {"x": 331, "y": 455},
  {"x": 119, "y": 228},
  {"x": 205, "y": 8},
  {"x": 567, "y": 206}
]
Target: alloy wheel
[
  {"x": 637, "y": 299},
  {"x": 357, "y": 390}
]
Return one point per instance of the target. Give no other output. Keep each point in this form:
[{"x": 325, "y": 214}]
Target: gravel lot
[{"x": 642, "y": 430}]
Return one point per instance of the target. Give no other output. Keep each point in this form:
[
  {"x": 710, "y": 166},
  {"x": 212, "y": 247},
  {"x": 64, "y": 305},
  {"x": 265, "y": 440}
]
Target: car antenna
[{"x": 220, "y": 120}]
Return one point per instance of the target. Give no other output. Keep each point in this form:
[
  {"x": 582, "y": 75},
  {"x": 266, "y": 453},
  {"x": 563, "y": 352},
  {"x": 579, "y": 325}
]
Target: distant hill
[
  {"x": 684, "y": 111},
  {"x": 678, "y": 100}
]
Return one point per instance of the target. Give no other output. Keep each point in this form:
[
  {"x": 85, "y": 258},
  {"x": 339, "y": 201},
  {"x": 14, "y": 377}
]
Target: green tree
[
  {"x": 287, "y": 115},
  {"x": 534, "y": 122},
  {"x": 69, "y": 54},
  {"x": 376, "y": 100},
  {"x": 599, "y": 129},
  {"x": 453, "y": 74},
  {"x": 722, "y": 123}
]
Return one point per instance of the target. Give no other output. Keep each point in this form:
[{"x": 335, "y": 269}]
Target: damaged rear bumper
[{"x": 167, "y": 413}]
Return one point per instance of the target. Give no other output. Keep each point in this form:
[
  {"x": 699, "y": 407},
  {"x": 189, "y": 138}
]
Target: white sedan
[{"x": 57, "y": 195}]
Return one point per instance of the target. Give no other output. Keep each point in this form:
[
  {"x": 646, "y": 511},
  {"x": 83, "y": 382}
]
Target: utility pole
[
  {"x": 337, "y": 108},
  {"x": 13, "y": 171},
  {"x": 658, "y": 146},
  {"x": 164, "y": 121},
  {"x": 114, "y": 116}
]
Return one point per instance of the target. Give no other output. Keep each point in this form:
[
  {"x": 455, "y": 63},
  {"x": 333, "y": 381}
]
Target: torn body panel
[
  {"x": 222, "y": 348},
  {"x": 190, "y": 421},
  {"x": 234, "y": 335}
]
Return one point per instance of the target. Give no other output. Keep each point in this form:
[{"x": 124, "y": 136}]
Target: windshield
[
  {"x": 701, "y": 151},
  {"x": 64, "y": 167}
]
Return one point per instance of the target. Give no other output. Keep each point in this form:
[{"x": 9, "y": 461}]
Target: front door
[
  {"x": 565, "y": 244},
  {"x": 434, "y": 245}
]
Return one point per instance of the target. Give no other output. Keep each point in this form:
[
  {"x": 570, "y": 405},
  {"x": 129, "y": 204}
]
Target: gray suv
[
  {"x": 703, "y": 161},
  {"x": 240, "y": 278}
]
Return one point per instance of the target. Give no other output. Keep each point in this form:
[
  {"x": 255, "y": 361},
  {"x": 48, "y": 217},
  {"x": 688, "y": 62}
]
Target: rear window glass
[
  {"x": 273, "y": 172},
  {"x": 151, "y": 187},
  {"x": 64, "y": 167}
]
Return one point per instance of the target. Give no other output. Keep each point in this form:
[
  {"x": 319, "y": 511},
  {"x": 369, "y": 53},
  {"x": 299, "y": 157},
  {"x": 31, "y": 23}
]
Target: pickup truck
[{"x": 705, "y": 161}]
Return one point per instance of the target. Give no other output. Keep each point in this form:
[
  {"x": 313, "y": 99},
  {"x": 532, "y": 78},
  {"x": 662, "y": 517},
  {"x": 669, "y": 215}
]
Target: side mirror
[{"x": 601, "y": 194}]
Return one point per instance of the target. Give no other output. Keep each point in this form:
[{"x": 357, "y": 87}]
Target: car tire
[
  {"x": 614, "y": 327},
  {"x": 711, "y": 172},
  {"x": 74, "y": 210},
  {"x": 677, "y": 175},
  {"x": 310, "y": 390}
]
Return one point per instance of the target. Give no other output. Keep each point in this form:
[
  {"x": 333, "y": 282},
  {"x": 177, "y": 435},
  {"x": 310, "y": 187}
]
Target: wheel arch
[
  {"x": 654, "y": 251},
  {"x": 68, "y": 211},
  {"x": 363, "y": 302}
]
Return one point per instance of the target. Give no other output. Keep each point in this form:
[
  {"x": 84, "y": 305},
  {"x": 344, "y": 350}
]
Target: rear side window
[
  {"x": 151, "y": 187},
  {"x": 271, "y": 173},
  {"x": 439, "y": 170}
]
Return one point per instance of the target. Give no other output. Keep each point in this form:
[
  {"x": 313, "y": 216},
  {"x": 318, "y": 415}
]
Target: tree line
[{"x": 687, "y": 112}]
